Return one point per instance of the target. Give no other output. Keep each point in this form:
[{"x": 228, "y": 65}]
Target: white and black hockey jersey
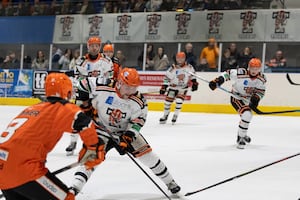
[{"x": 244, "y": 85}]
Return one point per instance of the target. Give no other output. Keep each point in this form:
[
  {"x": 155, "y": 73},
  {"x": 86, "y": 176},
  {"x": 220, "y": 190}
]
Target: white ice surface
[{"x": 199, "y": 151}]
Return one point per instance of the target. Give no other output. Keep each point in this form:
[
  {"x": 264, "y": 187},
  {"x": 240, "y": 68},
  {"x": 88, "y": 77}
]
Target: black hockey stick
[
  {"x": 70, "y": 166},
  {"x": 290, "y": 80},
  {"x": 240, "y": 175},
  {"x": 255, "y": 109},
  {"x": 135, "y": 162}
]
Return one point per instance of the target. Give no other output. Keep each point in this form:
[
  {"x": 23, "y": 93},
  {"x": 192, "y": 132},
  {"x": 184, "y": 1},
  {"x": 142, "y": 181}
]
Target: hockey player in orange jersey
[{"x": 31, "y": 135}]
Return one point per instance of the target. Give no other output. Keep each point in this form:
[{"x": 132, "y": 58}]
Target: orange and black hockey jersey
[{"x": 30, "y": 136}]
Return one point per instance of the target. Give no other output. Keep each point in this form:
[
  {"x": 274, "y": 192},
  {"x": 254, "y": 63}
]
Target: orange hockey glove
[{"x": 91, "y": 156}]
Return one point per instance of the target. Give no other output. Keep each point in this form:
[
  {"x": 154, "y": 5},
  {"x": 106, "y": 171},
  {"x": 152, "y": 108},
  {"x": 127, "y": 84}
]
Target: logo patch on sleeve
[
  {"x": 3, "y": 155},
  {"x": 109, "y": 100}
]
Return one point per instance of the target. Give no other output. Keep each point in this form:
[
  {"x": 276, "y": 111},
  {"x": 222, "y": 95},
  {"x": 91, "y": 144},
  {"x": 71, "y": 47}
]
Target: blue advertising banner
[{"x": 15, "y": 83}]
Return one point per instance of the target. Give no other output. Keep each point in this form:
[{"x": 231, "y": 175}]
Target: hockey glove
[
  {"x": 194, "y": 85},
  {"x": 254, "y": 100},
  {"x": 125, "y": 140},
  {"x": 91, "y": 156},
  {"x": 216, "y": 82},
  {"x": 163, "y": 89}
]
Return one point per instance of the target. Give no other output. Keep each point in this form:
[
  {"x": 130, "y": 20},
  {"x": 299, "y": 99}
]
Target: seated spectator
[
  {"x": 138, "y": 6},
  {"x": 65, "y": 60},
  {"x": 76, "y": 55},
  {"x": 153, "y": 5},
  {"x": 161, "y": 61},
  {"x": 121, "y": 57},
  {"x": 56, "y": 54},
  {"x": 40, "y": 62},
  {"x": 190, "y": 56},
  {"x": 244, "y": 57},
  {"x": 10, "y": 61},
  {"x": 149, "y": 58},
  {"x": 227, "y": 61},
  {"x": 278, "y": 60}
]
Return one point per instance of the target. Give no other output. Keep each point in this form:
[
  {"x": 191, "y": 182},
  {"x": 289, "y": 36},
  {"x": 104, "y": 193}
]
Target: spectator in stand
[
  {"x": 161, "y": 60},
  {"x": 244, "y": 57},
  {"x": 153, "y": 5},
  {"x": 10, "y": 61},
  {"x": 121, "y": 57},
  {"x": 65, "y": 60},
  {"x": 149, "y": 58},
  {"x": 234, "y": 53},
  {"x": 210, "y": 53},
  {"x": 190, "y": 56},
  {"x": 278, "y": 60},
  {"x": 228, "y": 62},
  {"x": 167, "y": 5},
  {"x": 76, "y": 55},
  {"x": 56, "y": 54},
  {"x": 124, "y": 6},
  {"x": 138, "y": 6},
  {"x": 40, "y": 62}
]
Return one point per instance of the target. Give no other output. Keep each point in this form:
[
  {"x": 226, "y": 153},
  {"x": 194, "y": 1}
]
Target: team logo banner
[
  {"x": 234, "y": 25},
  {"x": 129, "y": 27},
  {"x": 15, "y": 83},
  {"x": 283, "y": 25},
  {"x": 68, "y": 29}
]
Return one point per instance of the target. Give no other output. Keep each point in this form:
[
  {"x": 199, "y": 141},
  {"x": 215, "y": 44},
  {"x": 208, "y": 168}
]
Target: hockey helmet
[
  {"x": 108, "y": 48},
  {"x": 254, "y": 66},
  {"x": 94, "y": 40},
  {"x": 180, "y": 57},
  {"x": 130, "y": 77},
  {"x": 254, "y": 62},
  {"x": 58, "y": 85}
]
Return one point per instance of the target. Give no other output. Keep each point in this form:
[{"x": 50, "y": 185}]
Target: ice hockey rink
[{"x": 199, "y": 151}]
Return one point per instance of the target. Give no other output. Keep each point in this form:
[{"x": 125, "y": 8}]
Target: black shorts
[{"x": 48, "y": 187}]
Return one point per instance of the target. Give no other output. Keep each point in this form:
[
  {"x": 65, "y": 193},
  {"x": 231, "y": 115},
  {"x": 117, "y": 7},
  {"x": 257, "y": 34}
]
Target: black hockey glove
[
  {"x": 194, "y": 85},
  {"x": 163, "y": 89},
  {"x": 216, "y": 82},
  {"x": 254, "y": 100}
]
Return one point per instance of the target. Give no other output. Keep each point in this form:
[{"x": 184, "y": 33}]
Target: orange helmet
[
  {"x": 94, "y": 40},
  {"x": 108, "y": 47},
  {"x": 254, "y": 62},
  {"x": 180, "y": 55},
  {"x": 129, "y": 76},
  {"x": 58, "y": 85}
]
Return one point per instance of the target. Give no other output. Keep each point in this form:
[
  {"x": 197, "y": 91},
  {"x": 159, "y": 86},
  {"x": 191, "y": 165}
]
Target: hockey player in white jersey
[
  {"x": 121, "y": 114},
  {"x": 93, "y": 64},
  {"x": 249, "y": 84},
  {"x": 176, "y": 83}
]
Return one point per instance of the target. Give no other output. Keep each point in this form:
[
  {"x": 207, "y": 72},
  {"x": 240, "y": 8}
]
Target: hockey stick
[
  {"x": 70, "y": 166},
  {"x": 290, "y": 80},
  {"x": 135, "y": 162},
  {"x": 255, "y": 109},
  {"x": 240, "y": 175}
]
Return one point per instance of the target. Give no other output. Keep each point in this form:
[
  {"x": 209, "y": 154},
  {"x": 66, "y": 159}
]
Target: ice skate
[
  {"x": 174, "y": 119},
  {"x": 247, "y": 139},
  {"x": 241, "y": 142},
  {"x": 70, "y": 149},
  {"x": 163, "y": 120},
  {"x": 173, "y": 187}
]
